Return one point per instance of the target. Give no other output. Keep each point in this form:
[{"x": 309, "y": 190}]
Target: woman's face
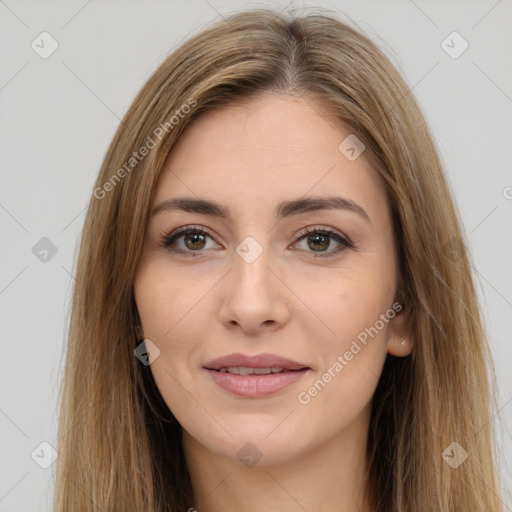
[{"x": 281, "y": 273}]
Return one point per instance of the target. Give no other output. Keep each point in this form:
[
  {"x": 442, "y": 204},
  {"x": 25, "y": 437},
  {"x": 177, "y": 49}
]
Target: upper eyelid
[{"x": 315, "y": 227}]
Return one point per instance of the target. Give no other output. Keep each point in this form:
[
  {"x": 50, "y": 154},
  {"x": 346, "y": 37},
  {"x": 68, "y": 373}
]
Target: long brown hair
[{"x": 119, "y": 445}]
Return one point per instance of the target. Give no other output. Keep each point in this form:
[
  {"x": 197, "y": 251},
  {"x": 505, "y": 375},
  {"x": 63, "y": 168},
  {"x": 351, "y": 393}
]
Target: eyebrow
[{"x": 283, "y": 209}]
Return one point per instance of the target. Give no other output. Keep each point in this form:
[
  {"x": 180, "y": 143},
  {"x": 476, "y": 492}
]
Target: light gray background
[{"x": 58, "y": 115}]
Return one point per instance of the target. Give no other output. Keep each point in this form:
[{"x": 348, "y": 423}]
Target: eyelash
[{"x": 168, "y": 240}]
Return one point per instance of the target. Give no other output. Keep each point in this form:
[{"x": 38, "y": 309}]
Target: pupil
[
  {"x": 324, "y": 238},
  {"x": 194, "y": 238}
]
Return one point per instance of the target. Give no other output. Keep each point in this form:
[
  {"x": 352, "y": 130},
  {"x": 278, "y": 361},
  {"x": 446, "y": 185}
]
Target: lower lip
[{"x": 255, "y": 386}]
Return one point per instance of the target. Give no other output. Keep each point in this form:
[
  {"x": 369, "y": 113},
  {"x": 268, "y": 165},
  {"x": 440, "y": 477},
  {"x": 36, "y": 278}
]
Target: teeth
[
  {"x": 262, "y": 371},
  {"x": 242, "y": 370}
]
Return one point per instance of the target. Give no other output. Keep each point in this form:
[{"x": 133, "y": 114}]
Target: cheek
[
  {"x": 173, "y": 310},
  {"x": 166, "y": 298},
  {"x": 150, "y": 299},
  {"x": 172, "y": 322},
  {"x": 348, "y": 305},
  {"x": 349, "y": 361},
  {"x": 352, "y": 351},
  {"x": 166, "y": 308}
]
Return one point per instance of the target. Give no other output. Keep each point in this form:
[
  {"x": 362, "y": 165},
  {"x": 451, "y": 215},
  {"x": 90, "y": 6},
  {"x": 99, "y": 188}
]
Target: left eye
[
  {"x": 319, "y": 240},
  {"x": 195, "y": 239}
]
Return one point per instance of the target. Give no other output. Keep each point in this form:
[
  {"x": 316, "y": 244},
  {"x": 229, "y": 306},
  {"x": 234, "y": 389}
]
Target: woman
[{"x": 274, "y": 307}]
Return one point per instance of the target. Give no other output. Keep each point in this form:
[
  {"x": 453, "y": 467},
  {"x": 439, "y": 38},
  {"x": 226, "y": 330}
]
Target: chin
[{"x": 256, "y": 443}]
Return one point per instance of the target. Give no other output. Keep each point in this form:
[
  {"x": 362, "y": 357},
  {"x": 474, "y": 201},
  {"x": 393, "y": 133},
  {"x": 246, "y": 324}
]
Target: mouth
[
  {"x": 255, "y": 376},
  {"x": 245, "y": 370}
]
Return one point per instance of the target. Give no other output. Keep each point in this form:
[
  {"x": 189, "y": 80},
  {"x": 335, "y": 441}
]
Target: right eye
[{"x": 187, "y": 240}]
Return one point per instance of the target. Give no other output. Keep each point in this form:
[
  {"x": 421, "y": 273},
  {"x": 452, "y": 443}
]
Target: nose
[{"x": 254, "y": 296}]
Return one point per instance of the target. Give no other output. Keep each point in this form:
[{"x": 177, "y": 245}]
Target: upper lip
[{"x": 256, "y": 361}]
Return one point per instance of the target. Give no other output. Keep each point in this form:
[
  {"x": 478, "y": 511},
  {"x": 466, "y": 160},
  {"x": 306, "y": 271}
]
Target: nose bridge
[
  {"x": 254, "y": 295},
  {"x": 251, "y": 267}
]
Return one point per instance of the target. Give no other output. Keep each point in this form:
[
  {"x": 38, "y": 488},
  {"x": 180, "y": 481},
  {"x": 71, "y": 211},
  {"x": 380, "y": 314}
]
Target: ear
[{"x": 399, "y": 339}]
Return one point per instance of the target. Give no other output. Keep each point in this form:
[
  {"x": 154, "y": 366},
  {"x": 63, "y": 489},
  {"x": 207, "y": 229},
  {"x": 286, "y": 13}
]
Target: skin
[{"x": 250, "y": 156}]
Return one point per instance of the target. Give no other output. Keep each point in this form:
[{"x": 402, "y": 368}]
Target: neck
[{"x": 327, "y": 478}]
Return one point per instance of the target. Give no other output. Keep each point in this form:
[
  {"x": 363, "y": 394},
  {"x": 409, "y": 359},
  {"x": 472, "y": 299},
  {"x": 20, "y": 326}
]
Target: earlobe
[
  {"x": 399, "y": 347},
  {"x": 400, "y": 340}
]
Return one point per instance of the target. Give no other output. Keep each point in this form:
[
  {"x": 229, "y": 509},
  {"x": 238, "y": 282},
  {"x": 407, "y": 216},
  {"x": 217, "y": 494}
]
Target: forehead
[{"x": 267, "y": 149}]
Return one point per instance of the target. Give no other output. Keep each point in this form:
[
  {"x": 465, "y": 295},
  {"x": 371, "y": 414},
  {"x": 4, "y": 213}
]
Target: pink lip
[
  {"x": 257, "y": 361},
  {"x": 255, "y": 386}
]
